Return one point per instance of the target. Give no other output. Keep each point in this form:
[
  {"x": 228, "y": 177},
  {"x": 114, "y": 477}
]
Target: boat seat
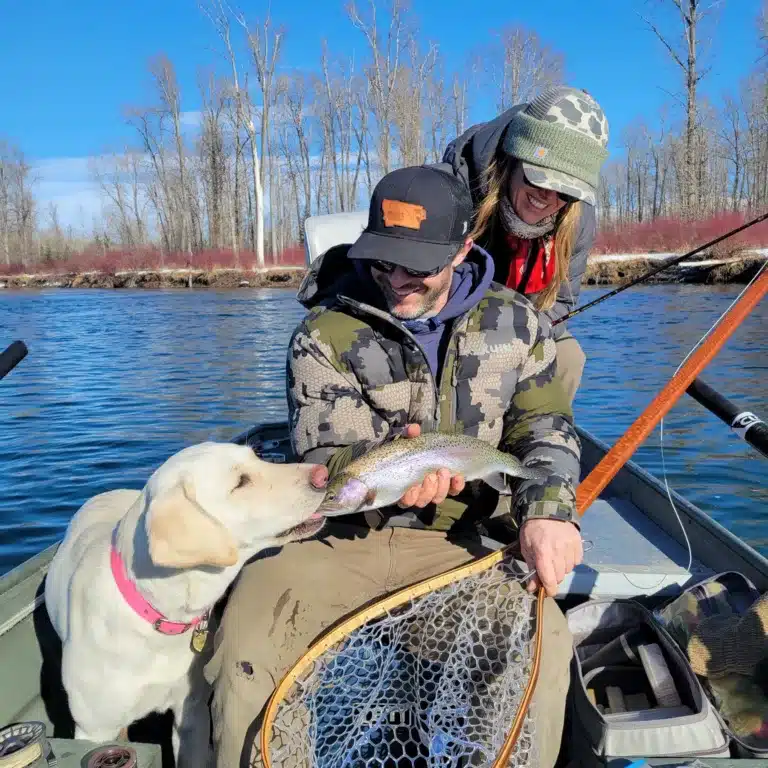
[{"x": 323, "y": 232}]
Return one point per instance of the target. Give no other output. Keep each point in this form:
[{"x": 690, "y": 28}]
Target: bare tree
[
  {"x": 296, "y": 144},
  {"x": 5, "y": 202},
  {"x": 731, "y": 135},
  {"x": 119, "y": 178},
  {"x": 387, "y": 54},
  {"x": 149, "y": 125},
  {"x": 409, "y": 99},
  {"x": 460, "y": 105},
  {"x": 691, "y": 13},
  {"x": 344, "y": 120},
  {"x": 164, "y": 75},
  {"x": 213, "y": 157},
  {"x": 519, "y": 64},
  {"x": 265, "y": 43},
  {"x": 219, "y": 16},
  {"x": 17, "y": 204}
]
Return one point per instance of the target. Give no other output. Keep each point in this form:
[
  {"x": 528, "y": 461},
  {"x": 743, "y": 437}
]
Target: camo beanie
[{"x": 561, "y": 139}]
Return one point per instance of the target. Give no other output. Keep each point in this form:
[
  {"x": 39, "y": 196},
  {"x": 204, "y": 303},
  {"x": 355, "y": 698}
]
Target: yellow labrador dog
[{"x": 131, "y": 585}]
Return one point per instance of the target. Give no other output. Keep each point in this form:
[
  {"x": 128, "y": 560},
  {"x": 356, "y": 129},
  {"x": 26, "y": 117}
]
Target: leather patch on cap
[{"x": 400, "y": 214}]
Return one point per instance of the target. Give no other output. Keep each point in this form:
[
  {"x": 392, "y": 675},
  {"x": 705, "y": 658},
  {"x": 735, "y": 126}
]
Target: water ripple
[{"x": 116, "y": 381}]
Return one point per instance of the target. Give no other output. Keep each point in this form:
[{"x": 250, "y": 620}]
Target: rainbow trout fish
[{"x": 382, "y": 476}]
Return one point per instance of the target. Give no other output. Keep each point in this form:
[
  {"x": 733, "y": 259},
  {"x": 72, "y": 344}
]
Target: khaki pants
[
  {"x": 281, "y": 604},
  {"x": 570, "y": 364}
]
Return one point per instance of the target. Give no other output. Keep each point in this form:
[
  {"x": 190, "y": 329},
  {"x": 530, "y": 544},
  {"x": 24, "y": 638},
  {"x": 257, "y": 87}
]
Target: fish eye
[{"x": 331, "y": 495}]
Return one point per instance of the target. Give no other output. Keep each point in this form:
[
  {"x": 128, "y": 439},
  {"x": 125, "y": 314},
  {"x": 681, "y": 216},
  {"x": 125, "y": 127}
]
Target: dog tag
[{"x": 200, "y": 636}]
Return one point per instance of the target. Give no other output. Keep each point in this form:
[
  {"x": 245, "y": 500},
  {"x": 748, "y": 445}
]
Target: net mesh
[{"x": 436, "y": 682}]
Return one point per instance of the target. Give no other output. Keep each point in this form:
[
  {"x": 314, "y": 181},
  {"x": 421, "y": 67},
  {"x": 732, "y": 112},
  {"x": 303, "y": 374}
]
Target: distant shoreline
[
  {"x": 618, "y": 268},
  {"x": 602, "y": 269},
  {"x": 230, "y": 279}
]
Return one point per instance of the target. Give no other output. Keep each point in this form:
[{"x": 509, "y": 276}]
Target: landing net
[{"x": 438, "y": 680}]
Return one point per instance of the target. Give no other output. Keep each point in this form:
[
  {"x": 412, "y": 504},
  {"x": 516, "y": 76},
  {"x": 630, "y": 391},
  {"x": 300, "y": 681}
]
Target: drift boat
[{"x": 642, "y": 550}]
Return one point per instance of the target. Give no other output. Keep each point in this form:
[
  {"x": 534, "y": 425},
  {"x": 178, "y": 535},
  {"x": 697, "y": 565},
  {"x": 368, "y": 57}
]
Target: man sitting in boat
[{"x": 408, "y": 331}]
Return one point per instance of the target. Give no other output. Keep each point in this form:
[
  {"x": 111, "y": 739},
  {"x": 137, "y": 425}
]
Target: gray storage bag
[{"x": 633, "y": 693}]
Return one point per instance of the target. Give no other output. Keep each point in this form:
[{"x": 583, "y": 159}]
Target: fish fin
[
  {"x": 534, "y": 473},
  {"x": 498, "y": 482},
  {"x": 515, "y": 468},
  {"x": 370, "y": 497}
]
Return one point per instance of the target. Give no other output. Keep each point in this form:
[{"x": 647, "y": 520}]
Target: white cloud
[
  {"x": 191, "y": 121},
  {"x": 67, "y": 182}
]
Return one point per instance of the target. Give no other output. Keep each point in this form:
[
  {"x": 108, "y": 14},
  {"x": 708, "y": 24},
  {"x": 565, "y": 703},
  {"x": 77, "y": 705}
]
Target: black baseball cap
[{"x": 419, "y": 218}]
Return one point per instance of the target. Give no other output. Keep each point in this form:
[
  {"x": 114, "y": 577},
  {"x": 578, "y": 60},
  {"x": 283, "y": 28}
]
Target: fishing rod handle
[
  {"x": 11, "y": 357},
  {"x": 745, "y": 424}
]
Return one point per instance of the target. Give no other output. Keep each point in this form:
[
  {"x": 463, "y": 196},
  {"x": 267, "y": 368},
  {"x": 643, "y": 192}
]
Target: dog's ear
[{"x": 182, "y": 535}]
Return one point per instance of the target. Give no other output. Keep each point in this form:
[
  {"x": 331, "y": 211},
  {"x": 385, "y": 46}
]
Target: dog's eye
[{"x": 242, "y": 481}]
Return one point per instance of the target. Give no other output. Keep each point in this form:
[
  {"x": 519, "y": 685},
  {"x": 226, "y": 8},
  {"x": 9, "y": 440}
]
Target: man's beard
[{"x": 423, "y": 308}]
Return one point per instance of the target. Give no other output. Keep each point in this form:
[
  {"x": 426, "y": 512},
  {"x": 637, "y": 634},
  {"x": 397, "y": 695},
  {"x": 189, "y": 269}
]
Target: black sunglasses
[
  {"x": 561, "y": 195},
  {"x": 387, "y": 268}
]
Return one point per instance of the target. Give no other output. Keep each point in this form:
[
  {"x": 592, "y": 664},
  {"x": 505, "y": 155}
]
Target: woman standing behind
[{"x": 533, "y": 173}]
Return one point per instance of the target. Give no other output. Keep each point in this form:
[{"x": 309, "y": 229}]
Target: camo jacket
[{"x": 356, "y": 377}]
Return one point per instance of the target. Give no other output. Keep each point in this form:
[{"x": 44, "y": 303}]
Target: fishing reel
[
  {"x": 113, "y": 757},
  {"x": 23, "y": 745}
]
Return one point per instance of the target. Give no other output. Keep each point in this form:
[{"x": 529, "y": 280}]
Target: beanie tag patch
[{"x": 540, "y": 152}]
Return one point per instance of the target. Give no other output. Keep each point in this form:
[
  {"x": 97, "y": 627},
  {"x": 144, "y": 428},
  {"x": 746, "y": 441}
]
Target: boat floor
[{"x": 627, "y": 554}]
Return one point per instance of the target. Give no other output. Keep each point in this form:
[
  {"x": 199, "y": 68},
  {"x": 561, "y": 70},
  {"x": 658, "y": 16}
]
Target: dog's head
[{"x": 212, "y": 502}]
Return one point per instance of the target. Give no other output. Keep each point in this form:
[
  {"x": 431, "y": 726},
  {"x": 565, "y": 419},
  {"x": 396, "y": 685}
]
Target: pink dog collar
[{"x": 139, "y": 604}]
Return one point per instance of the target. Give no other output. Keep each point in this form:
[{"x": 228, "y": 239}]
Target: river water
[{"x": 116, "y": 381}]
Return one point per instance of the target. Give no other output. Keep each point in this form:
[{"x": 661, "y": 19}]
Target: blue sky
[{"x": 69, "y": 69}]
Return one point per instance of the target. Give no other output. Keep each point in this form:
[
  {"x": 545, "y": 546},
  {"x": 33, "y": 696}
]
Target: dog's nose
[{"x": 318, "y": 476}]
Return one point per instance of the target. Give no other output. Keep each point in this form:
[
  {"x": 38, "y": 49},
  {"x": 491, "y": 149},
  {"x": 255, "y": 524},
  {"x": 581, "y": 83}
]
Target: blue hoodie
[{"x": 470, "y": 282}]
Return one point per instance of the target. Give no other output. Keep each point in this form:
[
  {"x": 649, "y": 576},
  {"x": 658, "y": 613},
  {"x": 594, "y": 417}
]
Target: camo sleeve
[
  {"x": 538, "y": 428},
  {"x": 330, "y": 421}
]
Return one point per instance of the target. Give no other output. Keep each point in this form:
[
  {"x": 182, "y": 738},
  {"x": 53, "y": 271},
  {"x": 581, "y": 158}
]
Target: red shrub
[
  {"x": 93, "y": 259},
  {"x": 676, "y": 235}
]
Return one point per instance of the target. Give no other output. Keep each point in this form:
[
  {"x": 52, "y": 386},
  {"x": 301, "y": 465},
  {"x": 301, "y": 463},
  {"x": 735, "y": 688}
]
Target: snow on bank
[{"x": 752, "y": 253}]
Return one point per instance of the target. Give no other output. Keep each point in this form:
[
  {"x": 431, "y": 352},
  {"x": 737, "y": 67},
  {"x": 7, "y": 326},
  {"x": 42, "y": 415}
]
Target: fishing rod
[
  {"x": 666, "y": 265},
  {"x": 745, "y": 424},
  {"x": 11, "y": 357}
]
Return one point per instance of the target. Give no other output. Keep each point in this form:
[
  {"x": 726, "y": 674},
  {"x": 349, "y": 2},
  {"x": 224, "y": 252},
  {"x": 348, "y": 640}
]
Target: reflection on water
[
  {"x": 634, "y": 343},
  {"x": 116, "y": 381}
]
